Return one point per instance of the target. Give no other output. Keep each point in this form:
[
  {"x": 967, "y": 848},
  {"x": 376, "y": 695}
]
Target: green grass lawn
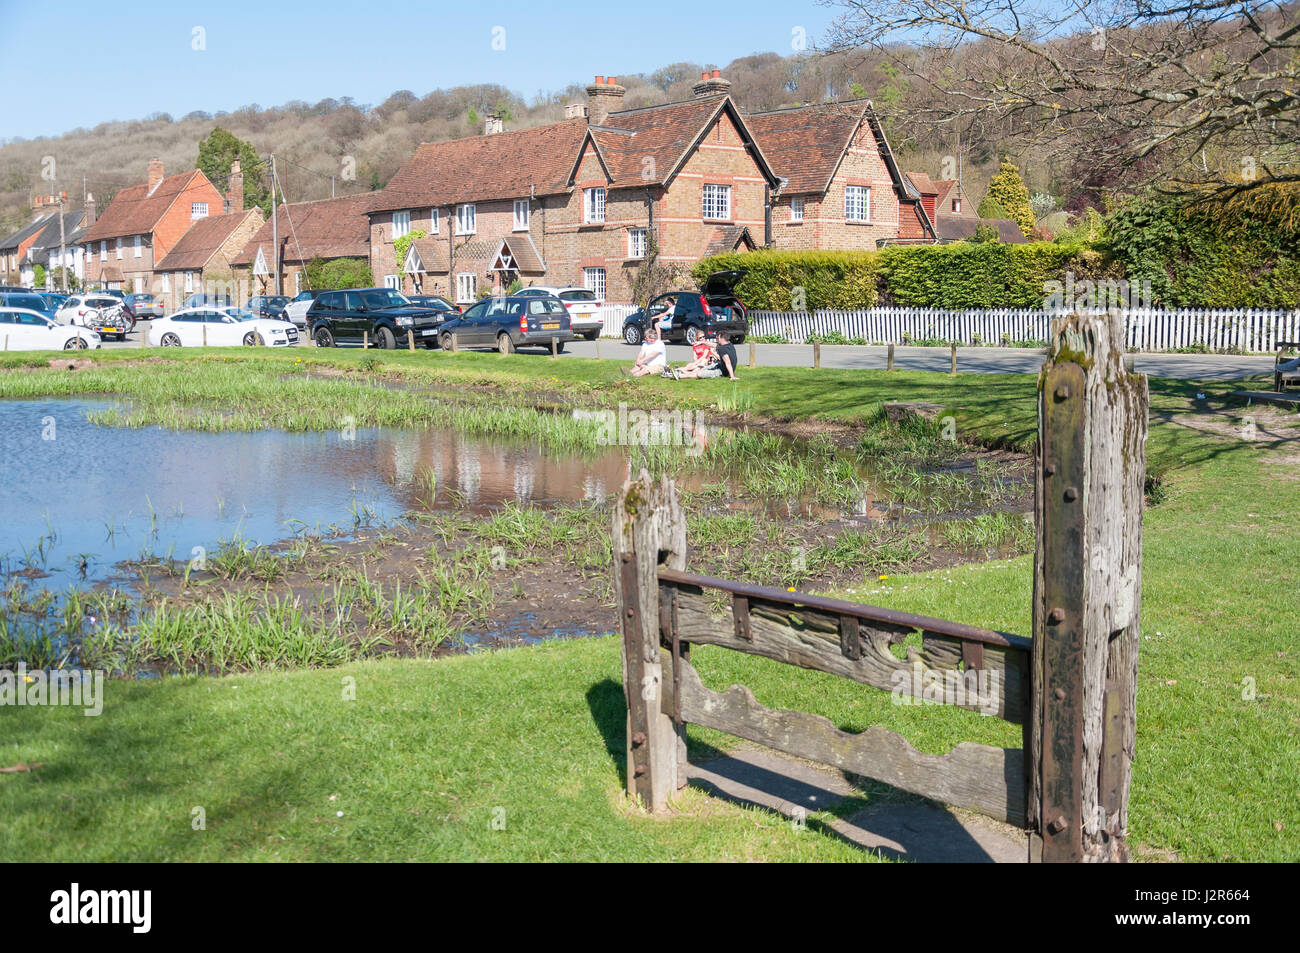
[{"x": 431, "y": 753}]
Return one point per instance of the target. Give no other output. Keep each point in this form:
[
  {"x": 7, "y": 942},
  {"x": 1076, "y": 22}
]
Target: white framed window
[
  {"x": 433, "y": 221},
  {"x": 857, "y": 203},
  {"x": 189, "y": 281},
  {"x": 594, "y": 281},
  {"x": 521, "y": 215},
  {"x": 401, "y": 224},
  {"x": 139, "y": 284},
  {"x": 103, "y": 251},
  {"x": 956, "y": 206},
  {"x": 466, "y": 287},
  {"x": 166, "y": 283},
  {"x": 391, "y": 281},
  {"x": 198, "y": 210},
  {"x": 593, "y": 205},
  {"x": 119, "y": 249},
  {"x": 139, "y": 247},
  {"x": 636, "y": 241},
  {"x": 717, "y": 202},
  {"x": 466, "y": 219},
  {"x": 796, "y": 208}
]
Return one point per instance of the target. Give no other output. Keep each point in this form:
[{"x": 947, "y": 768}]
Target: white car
[
  {"x": 220, "y": 327},
  {"x": 581, "y": 303},
  {"x": 22, "y": 329},
  {"x": 296, "y": 310}
]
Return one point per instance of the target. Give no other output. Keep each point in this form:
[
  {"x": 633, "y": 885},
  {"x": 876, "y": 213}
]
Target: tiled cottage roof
[
  {"x": 330, "y": 228},
  {"x": 483, "y": 168},
  {"x": 728, "y": 239},
  {"x": 136, "y": 211},
  {"x": 646, "y": 146},
  {"x": 49, "y": 236},
  {"x": 203, "y": 239},
  {"x": 956, "y": 228},
  {"x": 432, "y": 254},
  {"x": 12, "y": 241},
  {"x": 806, "y": 143}
]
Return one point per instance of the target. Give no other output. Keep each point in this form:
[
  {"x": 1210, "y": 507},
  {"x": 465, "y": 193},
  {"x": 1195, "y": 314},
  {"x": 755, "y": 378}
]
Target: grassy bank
[{"x": 416, "y": 759}]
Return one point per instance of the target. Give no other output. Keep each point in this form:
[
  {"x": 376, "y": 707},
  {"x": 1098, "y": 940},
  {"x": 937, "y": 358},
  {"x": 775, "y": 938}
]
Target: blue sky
[{"x": 269, "y": 53}]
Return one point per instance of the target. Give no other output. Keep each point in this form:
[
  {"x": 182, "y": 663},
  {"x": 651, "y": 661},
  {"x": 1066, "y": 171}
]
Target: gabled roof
[
  {"x": 426, "y": 256},
  {"x": 329, "y": 228},
  {"x": 942, "y": 188},
  {"x": 49, "y": 236},
  {"x": 202, "y": 240},
  {"x": 136, "y": 211},
  {"x": 482, "y": 168},
  {"x": 806, "y": 144},
  {"x": 665, "y": 135},
  {"x": 923, "y": 183},
  {"x": 727, "y": 239},
  {"x": 12, "y": 241}
]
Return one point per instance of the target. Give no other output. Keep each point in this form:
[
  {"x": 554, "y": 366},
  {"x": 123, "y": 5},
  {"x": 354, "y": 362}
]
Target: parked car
[
  {"x": 23, "y": 329},
  {"x": 220, "y": 327},
  {"x": 29, "y": 300},
  {"x": 582, "y": 304},
  {"x": 510, "y": 322},
  {"x": 384, "y": 316},
  {"x": 296, "y": 309},
  {"x": 54, "y": 300},
  {"x": 705, "y": 312},
  {"x": 202, "y": 299},
  {"x": 267, "y": 306},
  {"x": 99, "y": 312},
  {"x": 144, "y": 305}
]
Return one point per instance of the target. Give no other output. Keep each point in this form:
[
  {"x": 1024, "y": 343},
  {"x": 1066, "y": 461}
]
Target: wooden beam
[{"x": 977, "y": 777}]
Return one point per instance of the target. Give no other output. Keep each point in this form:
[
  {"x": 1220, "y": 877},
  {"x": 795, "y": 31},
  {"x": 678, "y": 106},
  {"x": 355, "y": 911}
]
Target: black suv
[
  {"x": 695, "y": 313},
  {"x": 382, "y": 313},
  {"x": 509, "y": 322}
]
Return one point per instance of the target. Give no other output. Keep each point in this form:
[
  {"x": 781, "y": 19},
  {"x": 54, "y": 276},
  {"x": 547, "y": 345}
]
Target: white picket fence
[{"x": 1246, "y": 330}]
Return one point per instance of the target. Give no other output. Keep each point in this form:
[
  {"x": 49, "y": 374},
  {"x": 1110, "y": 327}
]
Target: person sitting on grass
[
  {"x": 653, "y": 357},
  {"x": 706, "y": 355},
  {"x": 724, "y": 363}
]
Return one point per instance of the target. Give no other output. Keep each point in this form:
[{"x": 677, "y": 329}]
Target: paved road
[{"x": 970, "y": 360}]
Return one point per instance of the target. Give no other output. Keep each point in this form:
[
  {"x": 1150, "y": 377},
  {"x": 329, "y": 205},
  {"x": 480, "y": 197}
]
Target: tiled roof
[
  {"x": 11, "y": 242},
  {"x": 805, "y": 144},
  {"x": 483, "y": 168},
  {"x": 923, "y": 183},
  {"x": 727, "y": 239},
  {"x": 942, "y": 188},
  {"x": 956, "y": 228},
  {"x": 136, "y": 211},
  {"x": 202, "y": 240},
  {"x": 329, "y": 228},
  {"x": 525, "y": 253},
  {"x": 432, "y": 253},
  {"x": 662, "y": 134},
  {"x": 49, "y": 236}
]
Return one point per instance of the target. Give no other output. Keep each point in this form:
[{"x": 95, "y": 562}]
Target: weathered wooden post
[
  {"x": 455, "y": 342},
  {"x": 752, "y": 356},
  {"x": 365, "y": 340},
  {"x": 410, "y": 340},
  {"x": 1092, "y": 428},
  {"x": 817, "y": 354},
  {"x": 890, "y": 365},
  {"x": 554, "y": 348},
  {"x": 954, "y": 357},
  {"x": 649, "y": 531}
]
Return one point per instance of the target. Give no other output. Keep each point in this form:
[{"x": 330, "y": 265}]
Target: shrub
[{"x": 799, "y": 280}]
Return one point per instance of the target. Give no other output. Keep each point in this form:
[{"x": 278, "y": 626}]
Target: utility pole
[
  {"x": 63, "y": 252},
  {"x": 275, "y": 229}
]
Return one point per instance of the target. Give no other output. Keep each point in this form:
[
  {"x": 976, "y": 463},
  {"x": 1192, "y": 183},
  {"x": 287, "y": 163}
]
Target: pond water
[{"x": 73, "y": 490}]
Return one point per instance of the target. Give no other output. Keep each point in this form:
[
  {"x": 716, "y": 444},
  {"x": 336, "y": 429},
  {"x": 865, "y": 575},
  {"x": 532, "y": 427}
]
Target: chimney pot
[
  {"x": 717, "y": 73},
  {"x": 704, "y": 76},
  {"x": 602, "y": 99},
  {"x": 600, "y": 80},
  {"x": 611, "y": 81}
]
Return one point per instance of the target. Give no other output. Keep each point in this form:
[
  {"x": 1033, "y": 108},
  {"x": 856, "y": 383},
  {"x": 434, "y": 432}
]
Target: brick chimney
[
  {"x": 603, "y": 97},
  {"x": 711, "y": 84},
  {"x": 90, "y": 210},
  {"x": 235, "y": 193},
  {"x": 155, "y": 172}
]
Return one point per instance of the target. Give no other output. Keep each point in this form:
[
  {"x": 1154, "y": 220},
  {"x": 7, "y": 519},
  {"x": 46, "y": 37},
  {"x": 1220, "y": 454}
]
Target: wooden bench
[{"x": 1284, "y": 379}]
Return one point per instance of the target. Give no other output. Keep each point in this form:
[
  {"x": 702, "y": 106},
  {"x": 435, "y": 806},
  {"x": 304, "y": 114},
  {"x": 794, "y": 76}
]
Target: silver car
[{"x": 581, "y": 303}]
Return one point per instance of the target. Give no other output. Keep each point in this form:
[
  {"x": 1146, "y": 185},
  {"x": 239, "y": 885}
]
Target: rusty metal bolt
[
  {"x": 1058, "y": 824},
  {"x": 1062, "y": 392},
  {"x": 1056, "y": 616},
  {"x": 1060, "y": 694},
  {"x": 638, "y": 739},
  {"x": 639, "y": 770},
  {"x": 627, "y": 557},
  {"x": 1071, "y": 494},
  {"x": 1050, "y": 469},
  {"x": 630, "y": 613}
]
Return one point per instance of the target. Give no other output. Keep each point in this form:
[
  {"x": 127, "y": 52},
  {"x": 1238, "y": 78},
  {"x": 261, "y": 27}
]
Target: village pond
[{"x": 149, "y": 549}]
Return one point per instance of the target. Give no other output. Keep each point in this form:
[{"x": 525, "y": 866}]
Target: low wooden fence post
[
  {"x": 751, "y": 354},
  {"x": 1092, "y": 426},
  {"x": 890, "y": 358},
  {"x": 817, "y": 354},
  {"x": 649, "y": 532}
]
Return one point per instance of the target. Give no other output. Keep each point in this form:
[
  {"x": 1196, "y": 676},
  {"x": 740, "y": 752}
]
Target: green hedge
[
  {"x": 962, "y": 275},
  {"x": 799, "y": 280}
]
